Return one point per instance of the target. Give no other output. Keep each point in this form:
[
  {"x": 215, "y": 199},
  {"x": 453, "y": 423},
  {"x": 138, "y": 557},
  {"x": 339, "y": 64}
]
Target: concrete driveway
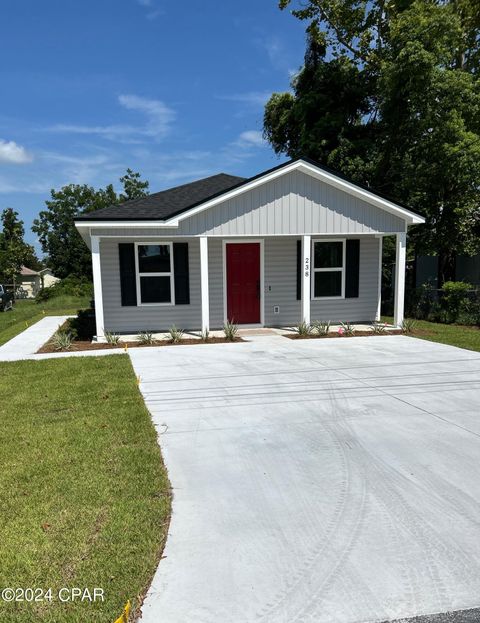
[{"x": 321, "y": 480}]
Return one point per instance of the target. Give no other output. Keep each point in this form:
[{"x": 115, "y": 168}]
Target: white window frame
[
  {"x": 328, "y": 270},
  {"x": 169, "y": 274}
]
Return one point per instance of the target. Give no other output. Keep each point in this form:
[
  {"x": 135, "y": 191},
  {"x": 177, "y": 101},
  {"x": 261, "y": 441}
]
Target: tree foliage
[
  {"x": 14, "y": 251},
  {"x": 60, "y": 240},
  {"x": 390, "y": 95}
]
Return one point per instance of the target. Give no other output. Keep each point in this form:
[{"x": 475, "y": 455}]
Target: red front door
[{"x": 243, "y": 282}]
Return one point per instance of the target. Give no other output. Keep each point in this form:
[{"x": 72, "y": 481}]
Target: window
[
  {"x": 329, "y": 269},
  {"x": 154, "y": 263}
]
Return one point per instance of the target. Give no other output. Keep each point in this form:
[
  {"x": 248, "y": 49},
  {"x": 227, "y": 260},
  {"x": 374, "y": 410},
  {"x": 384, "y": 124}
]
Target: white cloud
[
  {"x": 279, "y": 56},
  {"x": 159, "y": 118},
  {"x": 256, "y": 98},
  {"x": 12, "y": 153},
  {"x": 152, "y": 10},
  {"x": 159, "y": 115},
  {"x": 251, "y": 138}
]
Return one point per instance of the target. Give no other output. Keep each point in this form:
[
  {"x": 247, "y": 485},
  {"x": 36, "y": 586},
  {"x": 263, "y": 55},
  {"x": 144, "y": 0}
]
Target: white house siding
[
  {"x": 295, "y": 203},
  {"x": 280, "y": 275},
  {"x": 131, "y": 319}
]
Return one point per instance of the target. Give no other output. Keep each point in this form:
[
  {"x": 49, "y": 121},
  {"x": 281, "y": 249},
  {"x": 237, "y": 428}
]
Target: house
[
  {"x": 32, "y": 281},
  {"x": 297, "y": 242}
]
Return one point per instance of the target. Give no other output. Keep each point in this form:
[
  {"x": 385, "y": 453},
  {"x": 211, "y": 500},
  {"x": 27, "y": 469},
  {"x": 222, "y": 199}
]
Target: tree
[
  {"x": 390, "y": 95},
  {"x": 60, "y": 240},
  {"x": 14, "y": 251},
  {"x": 133, "y": 186}
]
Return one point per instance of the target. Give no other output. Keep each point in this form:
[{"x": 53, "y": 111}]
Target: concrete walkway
[
  {"x": 332, "y": 481},
  {"x": 25, "y": 344}
]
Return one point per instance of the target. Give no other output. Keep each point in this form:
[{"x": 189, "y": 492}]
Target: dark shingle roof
[{"x": 167, "y": 203}]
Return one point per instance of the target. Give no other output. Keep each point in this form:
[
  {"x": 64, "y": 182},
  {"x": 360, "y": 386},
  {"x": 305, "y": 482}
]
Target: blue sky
[{"x": 174, "y": 90}]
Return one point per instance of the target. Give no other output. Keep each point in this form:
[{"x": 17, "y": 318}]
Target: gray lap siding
[
  {"x": 280, "y": 274},
  {"x": 131, "y": 319}
]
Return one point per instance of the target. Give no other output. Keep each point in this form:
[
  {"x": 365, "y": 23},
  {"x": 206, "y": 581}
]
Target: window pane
[
  {"x": 328, "y": 283},
  {"x": 154, "y": 258},
  {"x": 328, "y": 255},
  {"x": 155, "y": 290}
]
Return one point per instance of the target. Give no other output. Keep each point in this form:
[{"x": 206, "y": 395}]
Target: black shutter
[
  {"x": 182, "y": 278},
  {"x": 128, "y": 283},
  {"x": 299, "y": 270},
  {"x": 352, "y": 271}
]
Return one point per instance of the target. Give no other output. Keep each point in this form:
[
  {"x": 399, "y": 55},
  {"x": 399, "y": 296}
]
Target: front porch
[{"x": 279, "y": 281}]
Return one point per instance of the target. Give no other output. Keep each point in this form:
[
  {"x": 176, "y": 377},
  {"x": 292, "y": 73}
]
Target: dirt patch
[{"x": 79, "y": 345}]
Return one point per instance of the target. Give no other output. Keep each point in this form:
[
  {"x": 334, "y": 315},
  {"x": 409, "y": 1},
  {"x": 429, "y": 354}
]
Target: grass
[
  {"x": 26, "y": 313},
  {"x": 85, "y": 495},
  {"x": 451, "y": 334}
]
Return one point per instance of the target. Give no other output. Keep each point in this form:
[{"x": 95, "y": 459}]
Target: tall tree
[
  {"x": 133, "y": 186},
  {"x": 14, "y": 251},
  {"x": 60, "y": 240},
  {"x": 67, "y": 253},
  {"x": 393, "y": 100}
]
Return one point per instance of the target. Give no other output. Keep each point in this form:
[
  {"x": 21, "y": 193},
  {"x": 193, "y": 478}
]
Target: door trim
[{"x": 262, "y": 287}]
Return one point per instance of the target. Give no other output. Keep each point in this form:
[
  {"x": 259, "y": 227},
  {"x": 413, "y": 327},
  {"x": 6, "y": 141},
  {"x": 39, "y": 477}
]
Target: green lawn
[
  {"x": 25, "y": 313},
  {"x": 452, "y": 334},
  {"x": 85, "y": 495}
]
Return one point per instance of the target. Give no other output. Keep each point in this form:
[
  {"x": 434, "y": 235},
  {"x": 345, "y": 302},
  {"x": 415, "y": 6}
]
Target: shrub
[
  {"x": 146, "y": 337},
  {"x": 176, "y": 335},
  {"x": 205, "y": 335},
  {"x": 63, "y": 340},
  {"x": 70, "y": 286},
  {"x": 321, "y": 327},
  {"x": 231, "y": 330},
  {"x": 378, "y": 328},
  {"x": 469, "y": 312},
  {"x": 454, "y": 295},
  {"x": 408, "y": 325},
  {"x": 83, "y": 326},
  {"x": 348, "y": 328},
  {"x": 303, "y": 328},
  {"x": 112, "y": 338}
]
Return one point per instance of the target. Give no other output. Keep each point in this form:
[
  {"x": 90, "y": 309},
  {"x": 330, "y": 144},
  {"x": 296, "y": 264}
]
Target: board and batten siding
[
  {"x": 293, "y": 204},
  {"x": 280, "y": 275},
  {"x": 132, "y": 319}
]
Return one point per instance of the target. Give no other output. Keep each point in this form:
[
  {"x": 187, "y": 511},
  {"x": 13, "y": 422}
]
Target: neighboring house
[
  {"x": 31, "y": 282},
  {"x": 297, "y": 242},
  {"x": 466, "y": 269}
]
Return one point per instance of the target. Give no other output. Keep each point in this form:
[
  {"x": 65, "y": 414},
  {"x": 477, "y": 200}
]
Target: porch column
[
  {"x": 97, "y": 289},
  {"x": 400, "y": 265},
  {"x": 204, "y": 283},
  {"x": 379, "y": 291},
  {"x": 306, "y": 268}
]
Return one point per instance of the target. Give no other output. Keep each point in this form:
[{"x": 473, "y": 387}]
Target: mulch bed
[
  {"x": 79, "y": 345},
  {"x": 295, "y": 336}
]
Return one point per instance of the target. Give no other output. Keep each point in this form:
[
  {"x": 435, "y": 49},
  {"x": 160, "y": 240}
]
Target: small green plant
[
  {"x": 408, "y": 325},
  {"x": 63, "y": 340},
  {"x": 112, "y": 338},
  {"x": 321, "y": 327},
  {"x": 146, "y": 337},
  {"x": 347, "y": 328},
  {"x": 378, "y": 328},
  {"x": 205, "y": 335},
  {"x": 176, "y": 335},
  {"x": 231, "y": 330},
  {"x": 303, "y": 328}
]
